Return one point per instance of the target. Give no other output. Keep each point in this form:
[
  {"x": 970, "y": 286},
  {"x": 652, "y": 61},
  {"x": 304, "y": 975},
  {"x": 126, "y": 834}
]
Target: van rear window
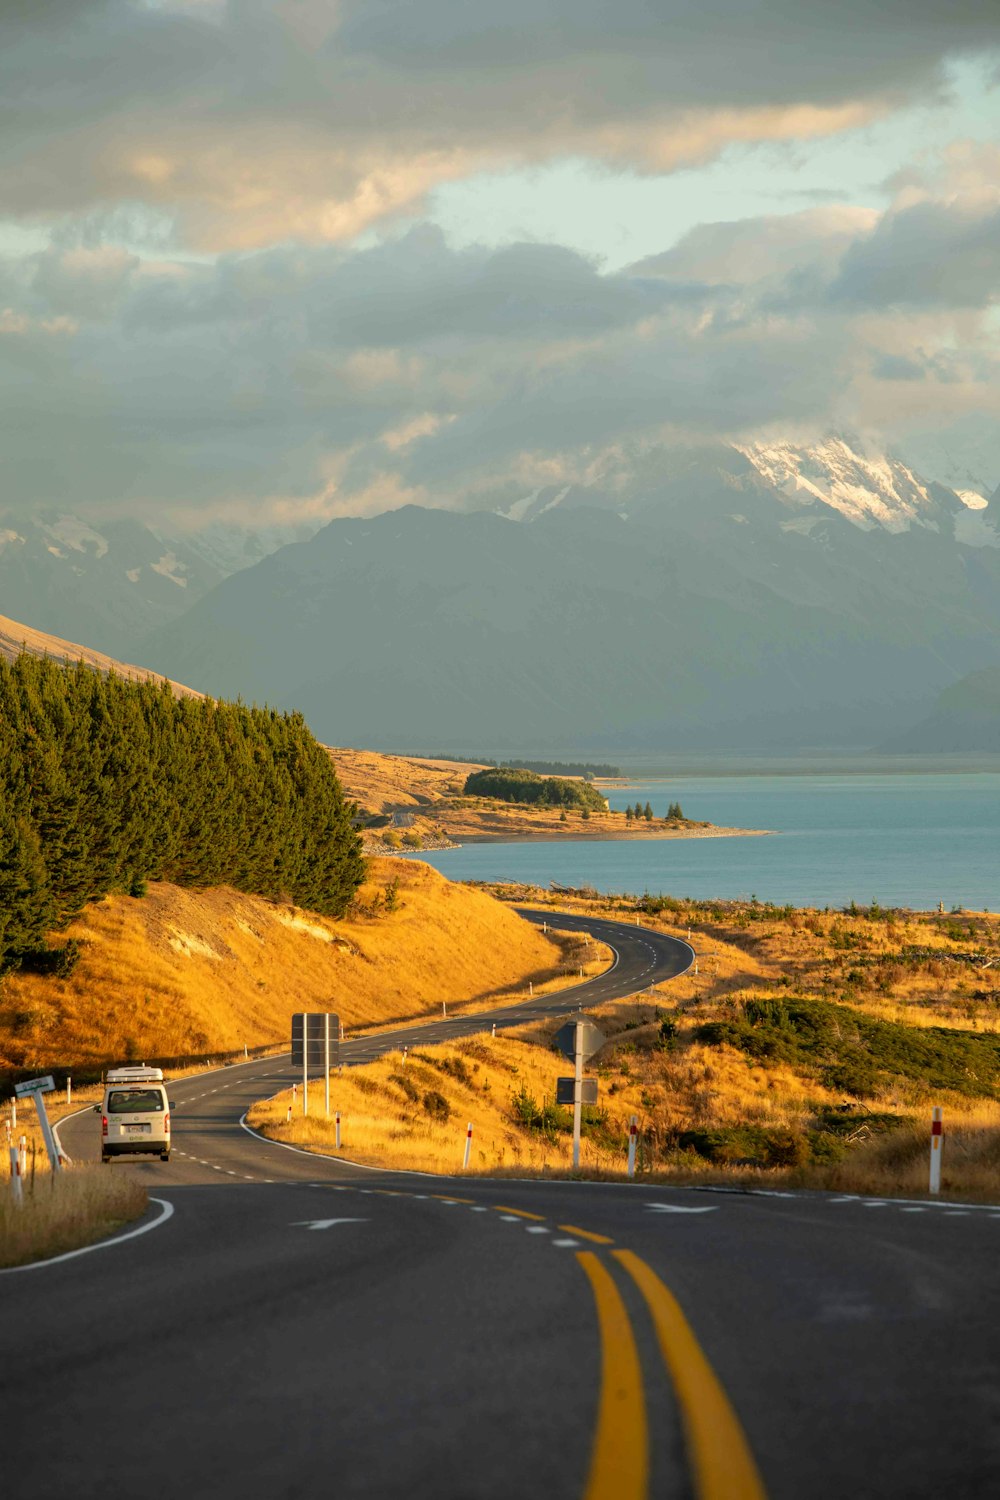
[{"x": 134, "y": 1101}]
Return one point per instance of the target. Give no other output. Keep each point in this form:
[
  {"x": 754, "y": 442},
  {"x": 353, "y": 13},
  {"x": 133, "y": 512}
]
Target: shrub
[
  {"x": 437, "y": 1106},
  {"x": 407, "y": 1085},
  {"x": 854, "y": 1052}
]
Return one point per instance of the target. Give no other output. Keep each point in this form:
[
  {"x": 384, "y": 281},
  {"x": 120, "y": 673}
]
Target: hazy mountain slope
[
  {"x": 701, "y": 620},
  {"x": 111, "y": 582},
  {"x": 966, "y": 717},
  {"x": 15, "y": 638}
]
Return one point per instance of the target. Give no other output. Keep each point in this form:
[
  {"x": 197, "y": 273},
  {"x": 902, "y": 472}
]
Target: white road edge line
[{"x": 53, "y": 1260}]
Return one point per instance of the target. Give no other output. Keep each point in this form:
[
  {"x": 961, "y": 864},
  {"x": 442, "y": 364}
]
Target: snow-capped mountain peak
[{"x": 870, "y": 492}]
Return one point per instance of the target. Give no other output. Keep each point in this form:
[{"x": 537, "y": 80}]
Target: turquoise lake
[{"x": 903, "y": 840}]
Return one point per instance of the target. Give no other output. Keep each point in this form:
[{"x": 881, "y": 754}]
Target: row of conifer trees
[{"x": 105, "y": 784}]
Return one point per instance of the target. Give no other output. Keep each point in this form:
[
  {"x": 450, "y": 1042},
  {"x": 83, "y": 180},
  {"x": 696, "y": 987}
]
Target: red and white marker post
[
  {"x": 337, "y": 1125},
  {"x": 633, "y": 1132},
  {"x": 468, "y": 1146},
  {"x": 937, "y": 1145}
]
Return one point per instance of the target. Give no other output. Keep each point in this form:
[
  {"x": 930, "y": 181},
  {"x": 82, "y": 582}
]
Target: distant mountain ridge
[
  {"x": 111, "y": 582},
  {"x": 687, "y": 600},
  {"x": 873, "y": 492}
]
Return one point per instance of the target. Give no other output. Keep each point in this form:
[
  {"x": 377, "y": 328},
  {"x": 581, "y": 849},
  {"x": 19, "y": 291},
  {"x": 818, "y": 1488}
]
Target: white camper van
[{"x": 135, "y": 1114}]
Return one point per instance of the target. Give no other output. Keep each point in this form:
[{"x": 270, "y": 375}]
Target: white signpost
[{"x": 35, "y": 1088}]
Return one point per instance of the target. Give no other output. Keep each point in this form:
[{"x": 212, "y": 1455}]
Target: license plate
[{"x": 137, "y": 1129}]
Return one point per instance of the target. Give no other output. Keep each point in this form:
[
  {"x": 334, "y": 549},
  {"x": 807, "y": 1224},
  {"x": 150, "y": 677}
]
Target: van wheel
[
  {"x": 164, "y": 1155},
  {"x": 105, "y": 1159}
]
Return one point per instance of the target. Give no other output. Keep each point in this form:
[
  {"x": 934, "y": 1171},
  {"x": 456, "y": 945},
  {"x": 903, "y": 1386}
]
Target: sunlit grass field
[{"x": 64, "y": 1212}]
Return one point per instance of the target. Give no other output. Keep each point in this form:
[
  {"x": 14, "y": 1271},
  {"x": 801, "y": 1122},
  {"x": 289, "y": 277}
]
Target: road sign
[
  {"x": 591, "y": 1040},
  {"x": 315, "y": 1049},
  {"x": 317, "y": 1039},
  {"x": 34, "y": 1086},
  {"x": 565, "y": 1090}
]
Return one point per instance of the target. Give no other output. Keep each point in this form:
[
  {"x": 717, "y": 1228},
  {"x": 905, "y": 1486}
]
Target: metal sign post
[
  {"x": 326, "y": 1062},
  {"x": 580, "y": 1038},
  {"x": 34, "y": 1089},
  {"x": 577, "y": 1094}
]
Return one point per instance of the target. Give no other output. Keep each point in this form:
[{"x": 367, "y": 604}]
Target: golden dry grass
[
  {"x": 65, "y": 1212},
  {"x": 477, "y": 1078},
  {"x": 925, "y": 969},
  {"x": 186, "y": 973},
  {"x": 379, "y": 783}
]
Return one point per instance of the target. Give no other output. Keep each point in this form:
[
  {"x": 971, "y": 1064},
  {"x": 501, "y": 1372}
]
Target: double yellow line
[{"x": 722, "y": 1466}]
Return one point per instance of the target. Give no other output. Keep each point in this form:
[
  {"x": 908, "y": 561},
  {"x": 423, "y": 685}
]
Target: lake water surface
[{"x": 903, "y": 840}]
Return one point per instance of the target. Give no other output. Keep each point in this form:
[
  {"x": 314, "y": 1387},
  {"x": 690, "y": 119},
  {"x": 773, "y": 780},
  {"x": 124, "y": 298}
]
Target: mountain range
[
  {"x": 110, "y": 582},
  {"x": 768, "y": 596}
]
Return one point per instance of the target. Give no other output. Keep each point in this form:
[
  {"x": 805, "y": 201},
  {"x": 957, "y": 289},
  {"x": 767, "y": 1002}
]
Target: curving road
[{"x": 299, "y": 1326}]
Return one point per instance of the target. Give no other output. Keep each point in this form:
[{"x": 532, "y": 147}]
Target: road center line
[
  {"x": 722, "y": 1465},
  {"x": 619, "y": 1465}
]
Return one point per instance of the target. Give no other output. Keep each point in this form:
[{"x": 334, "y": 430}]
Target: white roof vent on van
[{"x": 135, "y": 1075}]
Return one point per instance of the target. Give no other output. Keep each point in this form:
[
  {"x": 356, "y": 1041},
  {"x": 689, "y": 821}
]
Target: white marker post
[
  {"x": 494, "y": 1031},
  {"x": 633, "y": 1130},
  {"x": 937, "y": 1143},
  {"x": 468, "y": 1147},
  {"x": 444, "y": 1010},
  {"x": 15, "y": 1177},
  {"x": 69, "y": 1089},
  {"x": 337, "y": 1120}
]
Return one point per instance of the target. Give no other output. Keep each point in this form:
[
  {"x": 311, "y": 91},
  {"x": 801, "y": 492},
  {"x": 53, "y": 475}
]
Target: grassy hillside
[{"x": 181, "y": 973}]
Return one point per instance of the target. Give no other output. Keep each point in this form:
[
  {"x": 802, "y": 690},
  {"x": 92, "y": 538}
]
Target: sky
[{"x": 281, "y": 260}]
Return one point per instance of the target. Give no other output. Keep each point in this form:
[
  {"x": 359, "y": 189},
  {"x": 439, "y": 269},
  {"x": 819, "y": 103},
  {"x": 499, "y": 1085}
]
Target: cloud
[
  {"x": 320, "y": 380},
  {"x": 926, "y": 254},
  {"x": 261, "y": 121}
]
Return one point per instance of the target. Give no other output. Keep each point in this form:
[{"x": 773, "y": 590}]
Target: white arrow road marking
[
  {"x": 324, "y": 1223},
  {"x": 672, "y": 1208}
]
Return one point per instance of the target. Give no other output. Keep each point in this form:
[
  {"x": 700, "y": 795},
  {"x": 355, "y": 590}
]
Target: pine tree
[{"x": 647, "y": 813}]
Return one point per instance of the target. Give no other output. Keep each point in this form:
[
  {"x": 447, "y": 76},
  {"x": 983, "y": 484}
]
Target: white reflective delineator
[
  {"x": 633, "y": 1130},
  {"x": 468, "y": 1146},
  {"x": 338, "y": 1129},
  {"x": 937, "y": 1144},
  {"x": 15, "y": 1177}
]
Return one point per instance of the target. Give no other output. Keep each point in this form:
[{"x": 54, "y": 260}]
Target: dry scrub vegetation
[
  {"x": 182, "y": 973},
  {"x": 65, "y": 1212},
  {"x": 807, "y": 1050}
]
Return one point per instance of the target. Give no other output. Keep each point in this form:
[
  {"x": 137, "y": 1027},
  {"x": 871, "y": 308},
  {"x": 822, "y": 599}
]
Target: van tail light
[
  {"x": 104, "y": 1124},
  {"x": 166, "y": 1123}
]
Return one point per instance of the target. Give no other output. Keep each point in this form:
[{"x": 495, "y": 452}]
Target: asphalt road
[{"x": 298, "y": 1326}]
